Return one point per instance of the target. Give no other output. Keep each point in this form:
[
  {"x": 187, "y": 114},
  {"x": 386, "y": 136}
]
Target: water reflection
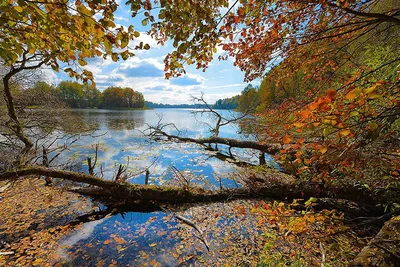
[
  {"x": 150, "y": 238},
  {"x": 121, "y": 141}
]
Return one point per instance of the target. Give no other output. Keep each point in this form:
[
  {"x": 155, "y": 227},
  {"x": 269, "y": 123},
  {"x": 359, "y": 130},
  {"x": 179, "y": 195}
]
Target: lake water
[
  {"x": 156, "y": 237},
  {"x": 121, "y": 139}
]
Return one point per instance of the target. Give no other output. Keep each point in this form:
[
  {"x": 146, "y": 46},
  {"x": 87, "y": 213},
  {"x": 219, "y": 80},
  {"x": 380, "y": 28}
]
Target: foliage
[
  {"x": 160, "y": 105},
  {"x": 227, "y": 103},
  {"x": 78, "y": 95},
  {"x": 117, "y": 97},
  {"x": 50, "y": 32},
  {"x": 249, "y": 99},
  {"x": 331, "y": 98}
]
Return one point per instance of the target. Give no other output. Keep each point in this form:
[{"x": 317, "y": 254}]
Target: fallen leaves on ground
[{"x": 33, "y": 218}]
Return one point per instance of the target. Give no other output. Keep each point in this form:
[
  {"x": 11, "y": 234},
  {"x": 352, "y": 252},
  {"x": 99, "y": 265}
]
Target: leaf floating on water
[
  {"x": 106, "y": 242},
  {"x": 153, "y": 244},
  {"x": 119, "y": 240}
]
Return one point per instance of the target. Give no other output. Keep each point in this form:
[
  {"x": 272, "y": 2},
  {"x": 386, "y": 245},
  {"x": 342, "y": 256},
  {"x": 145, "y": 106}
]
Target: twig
[
  {"x": 7, "y": 253},
  {"x": 323, "y": 254},
  {"x": 180, "y": 175},
  {"x": 193, "y": 224}
]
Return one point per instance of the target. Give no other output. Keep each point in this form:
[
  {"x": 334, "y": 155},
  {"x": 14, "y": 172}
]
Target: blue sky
[{"x": 144, "y": 72}]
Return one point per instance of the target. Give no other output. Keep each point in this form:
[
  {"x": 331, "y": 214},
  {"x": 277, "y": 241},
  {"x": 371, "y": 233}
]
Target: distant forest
[
  {"x": 159, "y": 105},
  {"x": 77, "y": 95},
  {"x": 247, "y": 101}
]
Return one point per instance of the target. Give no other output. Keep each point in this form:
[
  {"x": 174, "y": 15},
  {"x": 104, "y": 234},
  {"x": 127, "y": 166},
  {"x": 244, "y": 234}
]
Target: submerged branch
[{"x": 268, "y": 148}]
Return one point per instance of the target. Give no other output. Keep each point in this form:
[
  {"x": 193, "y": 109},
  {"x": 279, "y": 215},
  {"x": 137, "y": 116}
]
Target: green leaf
[
  {"x": 107, "y": 45},
  {"x": 310, "y": 201},
  {"x": 144, "y": 22}
]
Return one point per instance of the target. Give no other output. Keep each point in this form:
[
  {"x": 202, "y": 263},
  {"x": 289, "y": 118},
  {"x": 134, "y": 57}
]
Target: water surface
[
  {"x": 122, "y": 139},
  {"x": 156, "y": 238}
]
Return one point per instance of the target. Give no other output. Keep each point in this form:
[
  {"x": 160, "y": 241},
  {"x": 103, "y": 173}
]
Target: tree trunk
[
  {"x": 16, "y": 124},
  {"x": 127, "y": 192}
]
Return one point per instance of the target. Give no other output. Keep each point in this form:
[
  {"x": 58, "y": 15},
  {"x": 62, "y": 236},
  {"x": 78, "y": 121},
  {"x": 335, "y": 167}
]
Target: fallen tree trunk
[
  {"x": 127, "y": 192},
  {"x": 384, "y": 249},
  {"x": 268, "y": 148}
]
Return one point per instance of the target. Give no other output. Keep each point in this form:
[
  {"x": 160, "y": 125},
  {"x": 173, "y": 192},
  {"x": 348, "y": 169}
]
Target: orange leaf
[
  {"x": 323, "y": 150},
  {"x": 119, "y": 240},
  {"x": 331, "y": 93},
  {"x": 353, "y": 94},
  {"x": 106, "y": 242},
  {"x": 313, "y": 106},
  {"x": 305, "y": 114},
  {"x": 286, "y": 139}
]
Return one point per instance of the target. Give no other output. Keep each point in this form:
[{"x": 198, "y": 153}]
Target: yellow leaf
[
  {"x": 37, "y": 262},
  {"x": 153, "y": 244},
  {"x": 299, "y": 124},
  {"x": 353, "y": 94},
  {"x": 323, "y": 150},
  {"x": 345, "y": 132},
  {"x": 372, "y": 126},
  {"x": 371, "y": 89},
  {"x": 107, "y": 45},
  {"x": 82, "y": 62},
  {"x": 18, "y": 9}
]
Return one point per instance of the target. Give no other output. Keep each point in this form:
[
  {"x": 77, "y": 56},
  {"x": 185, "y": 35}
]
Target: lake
[
  {"x": 121, "y": 139},
  {"x": 143, "y": 237}
]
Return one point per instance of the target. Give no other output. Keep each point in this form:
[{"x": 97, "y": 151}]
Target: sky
[{"x": 145, "y": 72}]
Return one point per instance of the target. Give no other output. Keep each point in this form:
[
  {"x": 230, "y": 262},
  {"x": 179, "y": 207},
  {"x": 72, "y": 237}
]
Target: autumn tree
[
  {"x": 328, "y": 129},
  {"x": 39, "y": 33},
  {"x": 78, "y": 95},
  {"x": 117, "y": 97},
  {"x": 340, "y": 110},
  {"x": 249, "y": 99},
  {"x": 227, "y": 103}
]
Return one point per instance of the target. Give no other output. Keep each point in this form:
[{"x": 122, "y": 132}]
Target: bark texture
[{"x": 384, "y": 249}]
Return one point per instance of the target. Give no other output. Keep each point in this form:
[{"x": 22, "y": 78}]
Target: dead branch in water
[{"x": 194, "y": 225}]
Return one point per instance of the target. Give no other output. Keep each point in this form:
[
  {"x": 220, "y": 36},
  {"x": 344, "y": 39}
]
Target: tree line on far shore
[
  {"x": 77, "y": 95},
  {"x": 247, "y": 101}
]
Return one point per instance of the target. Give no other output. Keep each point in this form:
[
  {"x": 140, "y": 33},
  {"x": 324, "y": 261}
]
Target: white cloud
[{"x": 49, "y": 76}]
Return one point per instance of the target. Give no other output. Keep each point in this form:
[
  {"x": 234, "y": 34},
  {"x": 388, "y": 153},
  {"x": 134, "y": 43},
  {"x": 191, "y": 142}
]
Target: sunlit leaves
[{"x": 57, "y": 32}]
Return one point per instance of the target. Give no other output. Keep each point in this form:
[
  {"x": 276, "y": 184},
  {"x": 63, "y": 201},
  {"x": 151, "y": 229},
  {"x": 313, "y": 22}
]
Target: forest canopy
[{"x": 77, "y": 95}]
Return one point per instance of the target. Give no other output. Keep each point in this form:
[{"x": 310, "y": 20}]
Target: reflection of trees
[
  {"x": 112, "y": 120},
  {"x": 33, "y": 121},
  {"x": 121, "y": 121}
]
